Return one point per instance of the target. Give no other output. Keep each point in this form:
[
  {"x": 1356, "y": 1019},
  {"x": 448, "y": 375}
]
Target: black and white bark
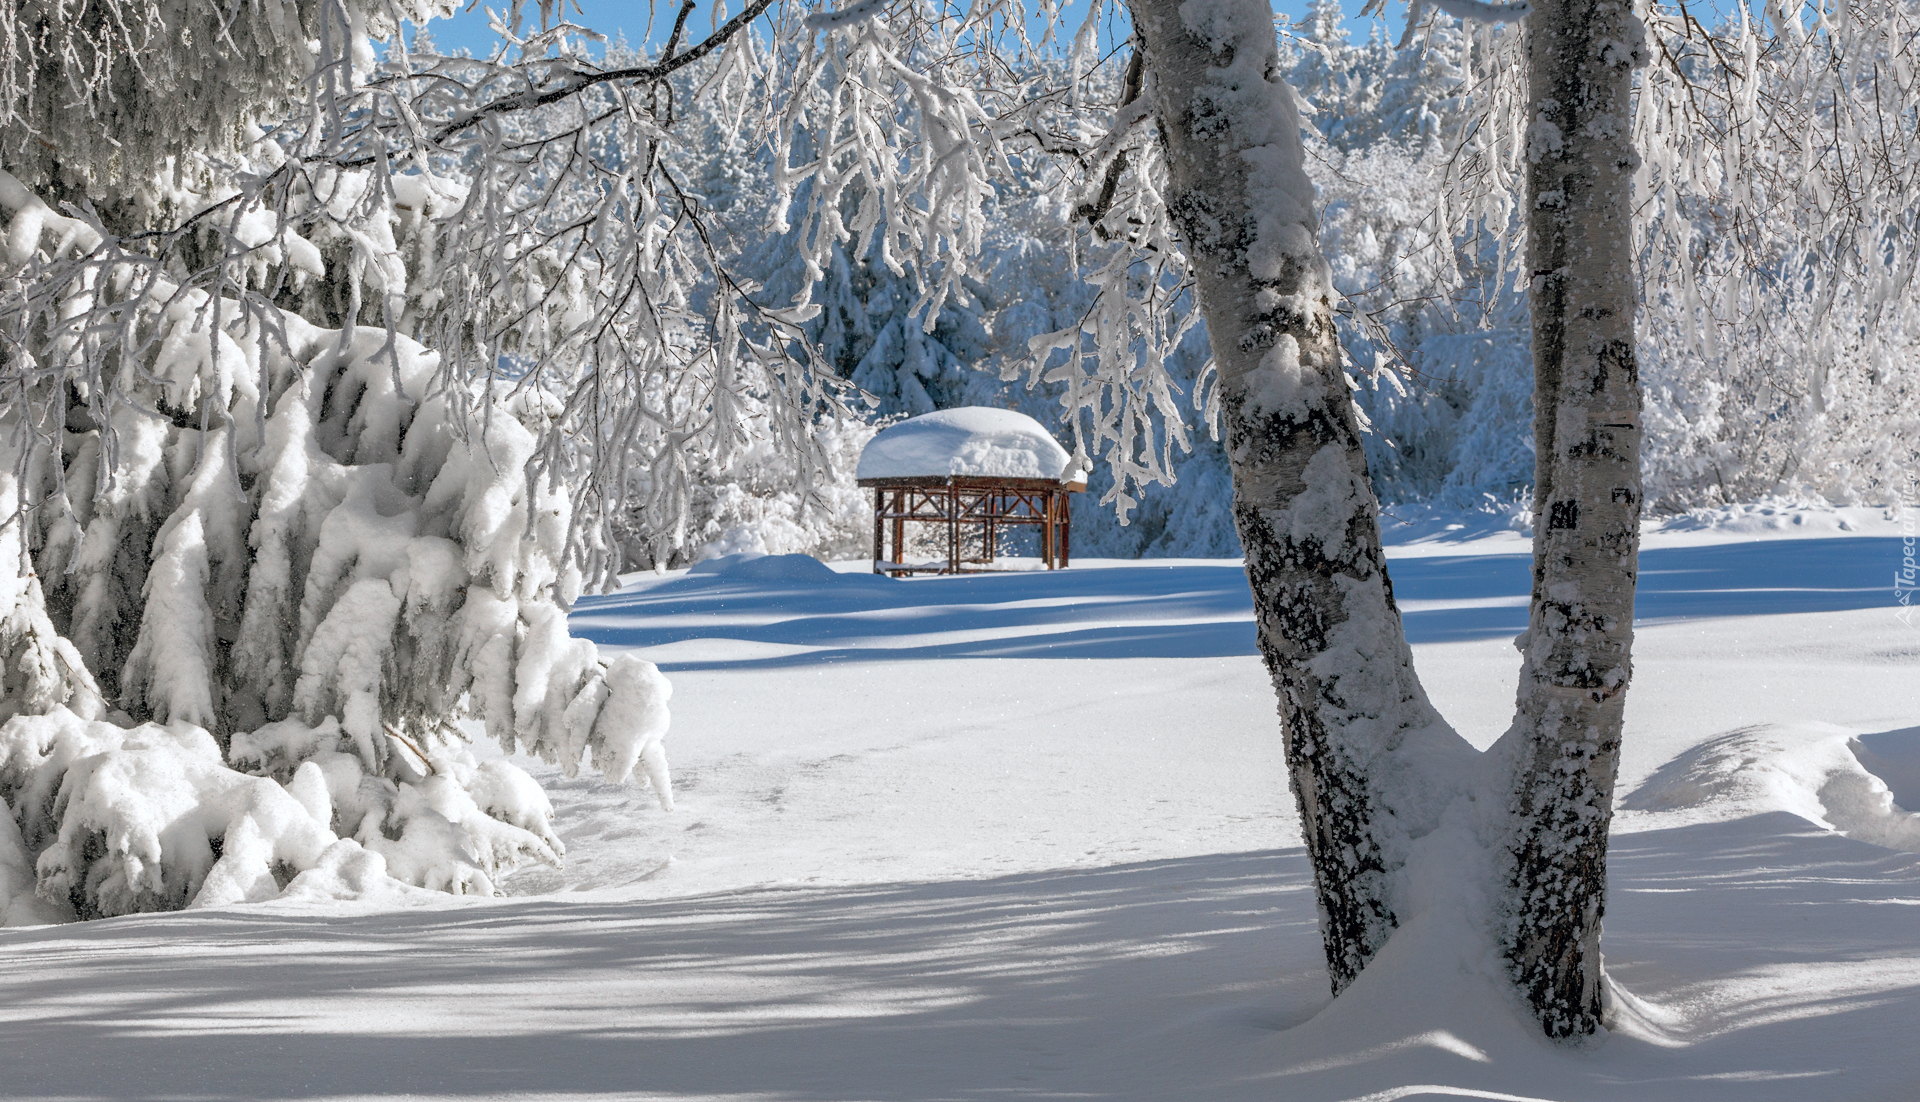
[
  {"x": 1565, "y": 743},
  {"x": 1356, "y": 721},
  {"x": 1372, "y": 765}
]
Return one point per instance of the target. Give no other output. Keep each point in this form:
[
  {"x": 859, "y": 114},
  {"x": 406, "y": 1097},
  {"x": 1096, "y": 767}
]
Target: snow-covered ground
[{"x": 1028, "y": 836}]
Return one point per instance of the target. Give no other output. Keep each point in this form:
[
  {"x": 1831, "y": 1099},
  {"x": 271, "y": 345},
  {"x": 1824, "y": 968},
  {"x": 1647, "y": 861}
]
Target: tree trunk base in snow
[
  {"x": 1577, "y": 647},
  {"x": 1328, "y": 627}
]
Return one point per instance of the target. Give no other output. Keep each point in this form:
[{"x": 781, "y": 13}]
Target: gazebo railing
[{"x": 958, "y": 503}]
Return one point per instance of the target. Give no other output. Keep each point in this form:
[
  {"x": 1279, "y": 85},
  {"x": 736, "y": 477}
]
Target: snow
[
  {"x": 975, "y": 441},
  {"x": 1822, "y": 773},
  {"x": 1028, "y": 835}
]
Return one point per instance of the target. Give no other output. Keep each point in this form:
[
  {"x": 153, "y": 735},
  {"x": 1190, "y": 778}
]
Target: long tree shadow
[
  {"x": 1784, "y": 953},
  {"x": 900, "y": 992},
  {"x": 1184, "y": 609}
]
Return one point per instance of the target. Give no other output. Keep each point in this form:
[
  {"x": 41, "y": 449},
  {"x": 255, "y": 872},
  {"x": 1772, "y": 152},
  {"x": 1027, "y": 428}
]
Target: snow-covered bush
[
  {"x": 756, "y": 501},
  {"x": 1758, "y": 413},
  {"x": 265, "y": 549}
]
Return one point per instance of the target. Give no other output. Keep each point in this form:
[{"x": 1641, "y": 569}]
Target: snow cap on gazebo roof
[{"x": 970, "y": 442}]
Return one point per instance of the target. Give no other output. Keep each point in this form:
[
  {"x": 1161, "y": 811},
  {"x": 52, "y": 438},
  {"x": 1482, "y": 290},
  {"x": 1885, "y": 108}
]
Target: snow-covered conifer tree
[
  {"x": 262, "y": 566},
  {"x": 1325, "y": 70}
]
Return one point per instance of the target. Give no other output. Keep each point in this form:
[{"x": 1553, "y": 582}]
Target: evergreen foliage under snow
[{"x": 271, "y": 566}]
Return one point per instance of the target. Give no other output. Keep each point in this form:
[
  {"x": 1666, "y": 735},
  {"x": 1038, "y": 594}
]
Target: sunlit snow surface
[{"x": 1028, "y": 836}]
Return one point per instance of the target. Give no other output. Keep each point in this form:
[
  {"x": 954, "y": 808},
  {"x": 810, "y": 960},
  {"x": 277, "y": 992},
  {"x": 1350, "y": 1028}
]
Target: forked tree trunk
[
  {"x": 1354, "y": 716},
  {"x": 1350, "y": 704},
  {"x": 1577, "y": 658}
]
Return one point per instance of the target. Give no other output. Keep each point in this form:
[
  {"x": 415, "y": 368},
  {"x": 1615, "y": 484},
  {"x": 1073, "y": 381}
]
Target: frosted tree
[
  {"x": 1450, "y": 423},
  {"x": 261, "y": 566},
  {"x": 1576, "y": 651},
  {"x": 869, "y": 328},
  {"x": 1767, "y": 371},
  {"x": 1783, "y": 324},
  {"x": 1328, "y": 72},
  {"x": 1558, "y": 136},
  {"x": 1776, "y": 296},
  {"x": 907, "y": 367},
  {"x": 1380, "y": 779}
]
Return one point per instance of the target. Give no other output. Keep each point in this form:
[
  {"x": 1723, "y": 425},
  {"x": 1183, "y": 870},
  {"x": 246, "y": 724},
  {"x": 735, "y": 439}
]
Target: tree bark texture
[
  {"x": 1353, "y": 714},
  {"x": 1577, "y": 647}
]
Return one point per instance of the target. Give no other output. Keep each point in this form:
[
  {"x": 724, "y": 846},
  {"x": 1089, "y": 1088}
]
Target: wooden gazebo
[{"x": 966, "y": 470}]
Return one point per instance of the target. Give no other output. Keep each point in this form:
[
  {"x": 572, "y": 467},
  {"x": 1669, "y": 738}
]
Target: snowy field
[{"x": 1028, "y": 836}]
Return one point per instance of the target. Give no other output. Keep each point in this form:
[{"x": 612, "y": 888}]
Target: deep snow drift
[{"x": 1027, "y": 835}]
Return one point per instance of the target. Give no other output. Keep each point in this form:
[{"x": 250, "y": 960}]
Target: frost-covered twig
[{"x": 1480, "y": 11}]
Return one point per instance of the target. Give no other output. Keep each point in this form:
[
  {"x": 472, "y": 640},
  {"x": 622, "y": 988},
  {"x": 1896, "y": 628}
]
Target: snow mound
[
  {"x": 748, "y": 566},
  {"x": 973, "y": 441},
  {"x": 784, "y": 568},
  {"x": 1408, "y": 523},
  {"x": 1894, "y": 757},
  {"x": 1817, "y": 771}
]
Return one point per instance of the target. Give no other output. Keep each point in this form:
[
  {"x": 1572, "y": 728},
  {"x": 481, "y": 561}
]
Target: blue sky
[{"x": 469, "y": 29}]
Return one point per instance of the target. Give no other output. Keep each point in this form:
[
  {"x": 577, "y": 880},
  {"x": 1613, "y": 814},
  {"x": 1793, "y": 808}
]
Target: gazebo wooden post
[
  {"x": 953, "y": 527},
  {"x": 1046, "y": 532},
  {"x": 954, "y": 502},
  {"x": 1066, "y": 526},
  {"x": 994, "y": 504},
  {"x": 899, "y": 527}
]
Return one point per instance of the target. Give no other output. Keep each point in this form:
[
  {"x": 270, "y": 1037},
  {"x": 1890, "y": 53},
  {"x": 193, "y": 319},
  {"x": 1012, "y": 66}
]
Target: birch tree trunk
[
  {"x": 1370, "y": 763},
  {"x": 1577, "y": 648},
  {"x": 1353, "y": 714}
]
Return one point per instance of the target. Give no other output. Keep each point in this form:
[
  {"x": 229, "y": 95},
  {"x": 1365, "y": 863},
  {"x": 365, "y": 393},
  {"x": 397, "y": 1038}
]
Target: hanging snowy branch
[{"x": 1774, "y": 234}]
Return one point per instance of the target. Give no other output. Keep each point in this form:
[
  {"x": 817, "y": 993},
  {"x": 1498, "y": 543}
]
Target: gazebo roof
[{"x": 969, "y": 442}]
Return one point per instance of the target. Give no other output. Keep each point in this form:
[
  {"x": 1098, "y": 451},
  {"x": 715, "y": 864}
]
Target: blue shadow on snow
[{"x": 1185, "y": 610}]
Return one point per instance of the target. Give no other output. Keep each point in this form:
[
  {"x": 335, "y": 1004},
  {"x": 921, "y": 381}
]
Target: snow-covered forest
[
  {"x": 400, "y": 446},
  {"x": 1767, "y": 390}
]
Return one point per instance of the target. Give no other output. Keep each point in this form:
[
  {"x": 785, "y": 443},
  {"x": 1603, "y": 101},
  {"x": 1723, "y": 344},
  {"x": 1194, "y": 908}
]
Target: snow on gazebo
[{"x": 974, "y": 467}]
